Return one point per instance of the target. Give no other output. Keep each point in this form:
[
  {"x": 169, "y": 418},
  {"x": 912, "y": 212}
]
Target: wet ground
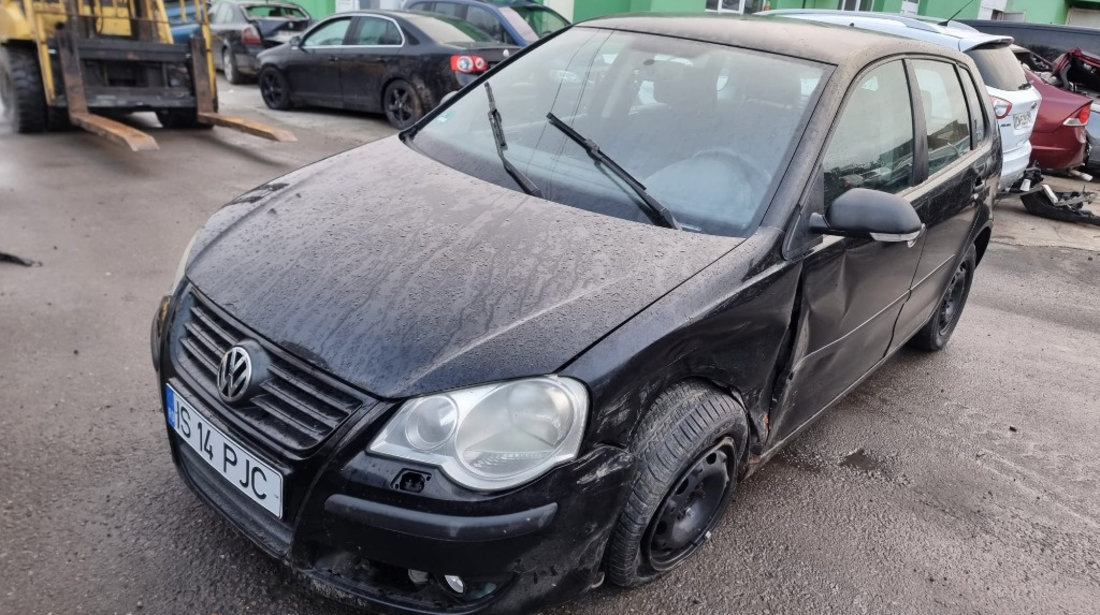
[{"x": 962, "y": 482}]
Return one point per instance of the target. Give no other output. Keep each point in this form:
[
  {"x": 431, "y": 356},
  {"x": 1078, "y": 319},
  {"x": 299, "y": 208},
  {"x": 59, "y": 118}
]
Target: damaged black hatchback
[{"x": 537, "y": 340}]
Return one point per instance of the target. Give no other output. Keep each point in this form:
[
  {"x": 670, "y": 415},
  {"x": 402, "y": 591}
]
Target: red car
[{"x": 1059, "y": 141}]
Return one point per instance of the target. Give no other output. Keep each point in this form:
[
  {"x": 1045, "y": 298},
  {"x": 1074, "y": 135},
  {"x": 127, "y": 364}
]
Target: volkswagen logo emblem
[{"x": 234, "y": 374}]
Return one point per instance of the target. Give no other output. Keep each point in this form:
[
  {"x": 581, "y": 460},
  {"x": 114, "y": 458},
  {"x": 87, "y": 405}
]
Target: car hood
[{"x": 402, "y": 276}]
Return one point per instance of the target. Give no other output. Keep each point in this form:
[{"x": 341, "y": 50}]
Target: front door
[
  {"x": 313, "y": 70},
  {"x": 854, "y": 289},
  {"x": 374, "y": 47}
]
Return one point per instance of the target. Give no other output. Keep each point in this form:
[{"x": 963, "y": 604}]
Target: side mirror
[
  {"x": 869, "y": 214},
  {"x": 295, "y": 41}
]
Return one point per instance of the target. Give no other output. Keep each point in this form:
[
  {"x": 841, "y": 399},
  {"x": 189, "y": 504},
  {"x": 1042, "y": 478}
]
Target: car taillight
[
  {"x": 1080, "y": 118},
  {"x": 468, "y": 64},
  {"x": 251, "y": 36},
  {"x": 1001, "y": 107}
]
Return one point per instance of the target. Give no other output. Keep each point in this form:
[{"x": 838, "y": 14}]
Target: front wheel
[
  {"x": 402, "y": 104},
  {"x": 274, "y": 89},
  {"x": 21, "y": 93},
  {"x": 689, "y": 449},
  {"x": 936, "y": 333}
]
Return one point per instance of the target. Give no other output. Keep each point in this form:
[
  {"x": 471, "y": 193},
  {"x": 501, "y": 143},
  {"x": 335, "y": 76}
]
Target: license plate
[
  {"x": 1021, "y": 120},
  {"x": 252, "y": 477}
]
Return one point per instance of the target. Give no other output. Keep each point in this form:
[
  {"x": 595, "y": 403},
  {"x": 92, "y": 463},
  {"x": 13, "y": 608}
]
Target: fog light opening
[{"x": 418, "y": 577}]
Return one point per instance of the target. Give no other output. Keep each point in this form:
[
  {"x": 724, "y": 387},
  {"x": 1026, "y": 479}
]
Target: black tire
[
  {"x": 21, "y": 92},
  {"x": 402, "y": 104},
  {"x": 274, "y": 89},
  {"x": 936, "y": 333},
  {"x": 57, "y": 119},
  {"x": 229, "y": 67},
  {"x": 181, "y": 119},
  {"x": 689, "y": 449}
]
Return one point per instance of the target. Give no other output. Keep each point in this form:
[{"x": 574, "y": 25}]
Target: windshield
[
  {"x": 541, "y": 21},
  {"x": 447, "y": 30},
  {"x": 705, "y": 128},
  {"x": 999, "y": 68}
]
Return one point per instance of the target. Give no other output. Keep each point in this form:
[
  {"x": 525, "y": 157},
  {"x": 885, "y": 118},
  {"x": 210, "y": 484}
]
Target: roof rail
[{"x": 912, "y": 22}]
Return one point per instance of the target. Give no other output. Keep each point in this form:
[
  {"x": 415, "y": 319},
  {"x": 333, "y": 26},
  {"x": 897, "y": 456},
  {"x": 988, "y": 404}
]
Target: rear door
[
  {"x": 953, "y": 128},
  {"x": 313, "y": 69},
  {"x": 374, "y": 47},
  {"x": 854, "y": 289}
]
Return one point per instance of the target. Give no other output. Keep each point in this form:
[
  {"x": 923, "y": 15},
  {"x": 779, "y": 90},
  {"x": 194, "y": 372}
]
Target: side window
[
  {"x": 487, "y": 21},
  {"x": 450, "y": 9},
  {"x": 946, "y": 119},
  {"x": 331, "y": 33},
  {"x": 872, "y": 145},
  {"x": 377, "y": 31},
  {"x": 978, "y": 116}
]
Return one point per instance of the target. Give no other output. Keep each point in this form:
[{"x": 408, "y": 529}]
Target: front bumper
[{"x": 355, "y": 525}]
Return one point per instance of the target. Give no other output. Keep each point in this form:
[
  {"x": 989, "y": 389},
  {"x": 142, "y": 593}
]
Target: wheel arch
[{"x": 981, "y": 242}]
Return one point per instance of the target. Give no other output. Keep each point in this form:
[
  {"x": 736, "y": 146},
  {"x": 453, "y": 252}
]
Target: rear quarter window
[{"x": 999, "y": 68}]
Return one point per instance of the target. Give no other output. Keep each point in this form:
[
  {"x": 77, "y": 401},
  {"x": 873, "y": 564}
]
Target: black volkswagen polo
[{"x": 537, "y": 340}]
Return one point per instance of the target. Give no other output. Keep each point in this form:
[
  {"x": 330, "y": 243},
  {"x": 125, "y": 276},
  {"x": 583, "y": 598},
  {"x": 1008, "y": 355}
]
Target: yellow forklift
[{"x": 87, "y": 62}]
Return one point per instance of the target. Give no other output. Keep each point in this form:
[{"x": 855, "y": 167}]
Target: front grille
[{"x": 296, "y": 408}]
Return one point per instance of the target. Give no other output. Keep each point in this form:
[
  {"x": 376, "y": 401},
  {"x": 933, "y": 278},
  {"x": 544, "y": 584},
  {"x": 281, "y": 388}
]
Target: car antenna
[{"x": 961, "y": 9}]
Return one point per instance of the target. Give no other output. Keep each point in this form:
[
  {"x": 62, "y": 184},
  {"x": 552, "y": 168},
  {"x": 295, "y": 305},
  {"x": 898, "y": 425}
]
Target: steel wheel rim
[
  {"x": 691, "y": 508},
  {"x": 271, "y": 89},
  {"x": 952, "y": 301},
  {"x": 399, "y": 105}
]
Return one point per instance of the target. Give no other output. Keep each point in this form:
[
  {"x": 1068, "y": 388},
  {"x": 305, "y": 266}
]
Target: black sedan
[
  {"x": 397, "y": 63},
  {"x": 537, "y": 340},
  {"x": 239, "y": 31}
]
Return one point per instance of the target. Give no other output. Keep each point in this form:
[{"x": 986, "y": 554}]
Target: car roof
[
  {"x": 951, "y": 34},
  {"x": 792, "y": 37}
]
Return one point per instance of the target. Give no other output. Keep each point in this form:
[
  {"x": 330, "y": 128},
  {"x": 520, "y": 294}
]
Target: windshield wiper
[
  {"x": 652, "y": 207},
  {"x": 524, "y": 182}
]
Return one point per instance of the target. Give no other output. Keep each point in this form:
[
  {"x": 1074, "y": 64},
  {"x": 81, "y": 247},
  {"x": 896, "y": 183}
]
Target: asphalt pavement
[{"x": 960, "y": 482}]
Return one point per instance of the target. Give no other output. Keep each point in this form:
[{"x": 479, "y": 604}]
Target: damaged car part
[{"x": 426, "y": 390}]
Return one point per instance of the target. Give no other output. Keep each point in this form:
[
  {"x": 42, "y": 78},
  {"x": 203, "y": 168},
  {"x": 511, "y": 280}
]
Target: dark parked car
[
  {"x": 540, "y": 337},
  {"x": 516, "y": 23},
  {"x": 239, "y": 31},
  {"x": 397, "y": 63}
]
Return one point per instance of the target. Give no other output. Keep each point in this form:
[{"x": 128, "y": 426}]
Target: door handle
[{"x": 333, "y": 58}]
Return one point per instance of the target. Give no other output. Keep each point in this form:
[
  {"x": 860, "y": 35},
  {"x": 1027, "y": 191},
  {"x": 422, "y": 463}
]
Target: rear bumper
[
  {"x": 1013, "y": 166},
  {"x": 1061, "y": 149}
]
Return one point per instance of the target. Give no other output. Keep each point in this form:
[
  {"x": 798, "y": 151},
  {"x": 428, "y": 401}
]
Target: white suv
[{"x": 1015, "y": 102}]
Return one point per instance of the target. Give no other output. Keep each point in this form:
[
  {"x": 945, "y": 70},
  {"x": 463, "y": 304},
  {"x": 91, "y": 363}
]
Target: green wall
[
  {"x": 583, "y": 9},
  {"x": 947, "y": 8},
  {"x": 1040, "y": 11}
]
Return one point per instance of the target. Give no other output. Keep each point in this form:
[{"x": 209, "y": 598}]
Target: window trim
[{"x": 358, "y": 26}]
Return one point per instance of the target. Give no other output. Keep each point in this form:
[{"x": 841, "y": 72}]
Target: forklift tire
[
  {"x": 21, "y": 92},
  {"x": 181, "y": 119},
  {"x": 57, "y": 119}
]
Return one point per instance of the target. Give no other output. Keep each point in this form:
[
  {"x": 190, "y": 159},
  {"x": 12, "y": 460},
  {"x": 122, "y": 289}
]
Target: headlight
[
  {"x": 491, "y": 437},
  {"x": 183, "y": 262}
]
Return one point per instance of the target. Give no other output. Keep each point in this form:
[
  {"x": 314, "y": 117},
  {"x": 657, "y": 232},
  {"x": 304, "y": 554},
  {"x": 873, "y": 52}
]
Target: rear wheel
[
  {"x": 274, "y": 88},
  {"x": 229, "y": 67},
  {"x": 936, "y": 333},
  {"x": 689, "y": 450},
  {"x": 21, "y": 92},
  {"x": 402, "y": 104}
]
